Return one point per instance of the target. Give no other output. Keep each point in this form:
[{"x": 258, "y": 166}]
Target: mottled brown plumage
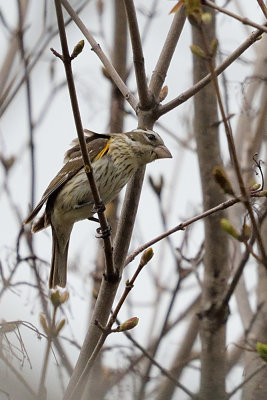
[{"x": 115, "y": 158}]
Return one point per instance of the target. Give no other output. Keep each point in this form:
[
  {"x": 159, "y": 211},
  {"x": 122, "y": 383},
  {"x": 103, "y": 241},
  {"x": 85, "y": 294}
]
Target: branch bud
[
  {"x": 146, "y": 256},
  {"x": 213, "y": 47},
  {"x": 228, "y": 227},
  {"x": 197, "y": 51},
  {"x": 129, "y": 324},
  {"x": 163, "y": 93},
  {"x": 262, "y": 350},
  {"x": 77, "y": 49},
  {"x": 60, "y": 326},
  {"x": 206, "y": 17},
  {"x": 58, "y": 297},
  {"x": 176, "y": 7},
  {"x": 43, "y": 323},
  {"x": 255, "y": 187},
  {"x": 262, "y": 193},
  {"x": 223, "y": 181},
  {"x": 246, "y": 232}
]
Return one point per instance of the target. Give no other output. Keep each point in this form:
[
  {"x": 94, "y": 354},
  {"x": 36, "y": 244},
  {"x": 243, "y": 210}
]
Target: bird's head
[{"x": 146, "y": 145}]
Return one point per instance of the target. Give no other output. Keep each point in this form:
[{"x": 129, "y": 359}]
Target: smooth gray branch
[{"x": 97, "y": 49}]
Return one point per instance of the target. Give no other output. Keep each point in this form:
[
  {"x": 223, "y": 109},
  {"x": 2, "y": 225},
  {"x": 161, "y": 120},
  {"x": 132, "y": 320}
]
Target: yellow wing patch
[{"x": 103, "y": 152}]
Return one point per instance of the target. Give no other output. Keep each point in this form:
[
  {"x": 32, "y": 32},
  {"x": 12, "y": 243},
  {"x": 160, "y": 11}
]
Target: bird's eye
[{"x": 151, "y": 136}]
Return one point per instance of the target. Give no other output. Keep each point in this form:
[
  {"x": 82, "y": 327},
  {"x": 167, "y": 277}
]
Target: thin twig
[
  {"x": 35, "y": 56},
  {"x": 138, "y": 57},
  {"x": 263, "y": 7},
  {"x": 245, "y": 381},
  {"x": 203, "y": 82},
  {"x": 245, "y": 21},
  {"x": 110, "y": 273},
  {"x": 99, "y": 52},
  {"x": 78, "y": 389},
  {"x": 145, "y": 377},
  {"x": 231, "y": 144},
  {"x": 29, "y": 101},
  {"x": 181, "y": 227},
  {"x": 162, "y": 370},
  {"x": 163, "y": 63},
  {"x": 18, "y": 376},
  {"x": 42, "y": 389}
]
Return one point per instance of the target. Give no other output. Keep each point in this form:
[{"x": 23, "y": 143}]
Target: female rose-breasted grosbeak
[{"x": 115, "y": 158}]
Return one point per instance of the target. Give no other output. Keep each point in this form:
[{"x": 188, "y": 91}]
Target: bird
[{"x": 115, "y": 158}]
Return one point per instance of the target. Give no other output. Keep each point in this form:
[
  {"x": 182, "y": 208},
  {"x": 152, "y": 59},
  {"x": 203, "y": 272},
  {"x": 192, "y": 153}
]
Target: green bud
[
  {"x": 246, "y": 232},
  {"x": 43, "y": 322},
  {"x": 228, "y": 227},
  {"x": 197, "y": 51},
  {"x": 223, "y": 181},
  {"x": 60, "y": 326},
  {"x": 214, "y": 47},
  {"x": 77, "y": 49},
  {"x": 129, "y": 324},
  {"x": 262, "y": 350},
  {"x": 206, "y": 17},
  {"x": 7, "y": 162},
  {"x": 262, "y": 193},
  {"x": 58, "y": 297},
  {"x": 255, "y": 187},
  {"x": 146, "y": 256}
]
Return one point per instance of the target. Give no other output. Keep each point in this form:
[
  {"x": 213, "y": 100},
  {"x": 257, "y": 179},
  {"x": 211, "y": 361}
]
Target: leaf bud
[
  {"x": 43, "y": 323},
  {"x": 255, "y": 187},
  {"x": 222, "y": 179},
  {"x": 163, "y": 93},
  {"x": 77, "y": 49},
  {"x": 262, "y": 350},
  {"x": 58, "y": 296},
  {"x": 197, "y": 51},
  {"x": 228, "y": 227},
  {"x": 129, "y": 324},
  {"x": 146, "y": 256},
  {"x": 60, "y": 326},
  {"x": 206, "y": 17}
]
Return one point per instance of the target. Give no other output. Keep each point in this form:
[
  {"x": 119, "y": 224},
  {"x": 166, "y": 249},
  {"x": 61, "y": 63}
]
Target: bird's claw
[
  {"x": 103, "y": 233},
  {"x": 99, "y": 208}
]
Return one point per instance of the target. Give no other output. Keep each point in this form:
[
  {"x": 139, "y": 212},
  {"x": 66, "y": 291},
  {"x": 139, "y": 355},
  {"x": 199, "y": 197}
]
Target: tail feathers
[
  {"x": 40, "y": 224},
  {"x": 58, "y": 272}
]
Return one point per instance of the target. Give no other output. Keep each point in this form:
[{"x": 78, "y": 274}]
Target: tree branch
[
  {"x": 160, "y": 71},
  {"x": 110, "y": 273},
  {"x": 99, "y": 52},
  {"x": 245, "y": 21},
  {"x": 138, "y": 57},
  {"x": 203, "y": 82}
]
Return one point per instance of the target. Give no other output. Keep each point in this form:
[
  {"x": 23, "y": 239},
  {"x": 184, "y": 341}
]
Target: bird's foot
[{"x": 103, "y": 233}]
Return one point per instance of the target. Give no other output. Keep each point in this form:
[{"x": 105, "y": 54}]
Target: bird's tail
[{"x": 58, "y": 272}]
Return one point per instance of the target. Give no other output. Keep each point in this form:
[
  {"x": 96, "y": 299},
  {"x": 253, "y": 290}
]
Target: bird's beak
[{"x": 162, "y": 152}]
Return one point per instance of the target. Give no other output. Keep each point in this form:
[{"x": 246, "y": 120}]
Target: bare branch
[
  {"x": 110, "y": 272},
  {"x": 160, "y": 71},
  {"x": 181, "y": 227},
  {"x": 138, "y": 57},
  {"x": 203, "y": 82},
  {"x": 97, "y": 49},
  {"x": 245, "y": 21}
]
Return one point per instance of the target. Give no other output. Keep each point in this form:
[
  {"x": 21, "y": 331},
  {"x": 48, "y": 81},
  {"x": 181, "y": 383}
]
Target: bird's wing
[{"x": 74, "y": 162}]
